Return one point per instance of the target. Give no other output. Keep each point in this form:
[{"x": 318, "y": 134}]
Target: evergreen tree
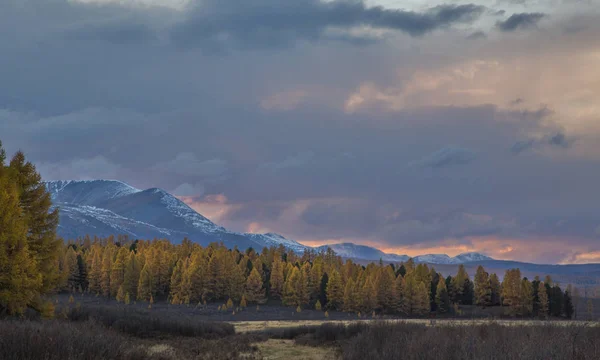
[
  {"x": 496, "y": 290},
  {"x": 385, "y": 289},
  {"x": 323, "y": 289},
  {"x": 568, "y": 306},
  {"x": 442, "y": 299},
  {"x": 526, "y": 297}
]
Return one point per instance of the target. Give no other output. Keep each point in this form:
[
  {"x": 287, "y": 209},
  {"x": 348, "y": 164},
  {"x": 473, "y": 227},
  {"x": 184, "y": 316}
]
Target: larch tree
[
  {"x": 335, "y": 291},
  {"x": 495, "y": 290},
  {"x": 255, "y": 291},
  {"x": 145, "y": 284},
  {"x": 483, "y": 289},
  {"x": 277, "y": 280},
  {"x": 348, "y": 303},
  {"x": 442, "y": 300},
  {"x": 20, "y": 280},
  {"x": 542, "y": 305},
  {"x": 117, "y": 274},
  {"x": 41, "y": 221}
]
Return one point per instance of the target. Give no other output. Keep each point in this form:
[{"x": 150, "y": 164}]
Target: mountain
[
  {"x": 445, "y": 259},
  {"x": 353, "y": 251},
  {"x": 110, "y": 207}
]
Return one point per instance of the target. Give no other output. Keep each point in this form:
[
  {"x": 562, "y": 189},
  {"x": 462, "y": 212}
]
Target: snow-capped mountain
[
  {"x": 110, "y": 207},
  {"x": 350, "y": 250},
  {"x": 353, "y": 251}
]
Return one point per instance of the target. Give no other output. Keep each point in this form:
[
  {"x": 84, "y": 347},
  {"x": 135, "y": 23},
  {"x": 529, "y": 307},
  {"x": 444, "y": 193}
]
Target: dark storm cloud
[
  {"x": 520, "y": 21},
  {"x": 560, "y": 140},
  {"x": 272, "y": 23},
  {"x": 521, "y": 146}
]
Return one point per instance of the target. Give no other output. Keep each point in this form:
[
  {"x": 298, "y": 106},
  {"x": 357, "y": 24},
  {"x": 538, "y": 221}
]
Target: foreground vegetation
[{"x": 111, "y": 333}]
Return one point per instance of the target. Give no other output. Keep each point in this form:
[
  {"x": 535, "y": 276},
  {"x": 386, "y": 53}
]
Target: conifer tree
[
  {"x": 442, "y": 299},
  {"x": 255, "y": 291},
  {"x": 335, "y": 292},
  {"x": 349, "y": 304},
  {"x": 20, "y": 280},
  {"x": 511, "y": 291},
  {"x": 131, "y": 275},
  {"x": 145, "y": 284},
  {"x": 35, "y": 203},
  {"x": 117, "y": 274},
  {"x": 400, "y": 294},
  {"x": 483, "y": 289},
  {"x": 386, "y": 289},
  {"x": 243, "y": 302},
  {"x": 421, "y": 305},
  {"x": 526, "y": 297},
  {"x": 106, "y": 270},
  {"x": 120, "y": 294},
  {"x": 176, "y": 282},
  {"x": 277, "y": 280},
  {"x": 542, "y": 305},
  {"x": 495, "y": 290}
]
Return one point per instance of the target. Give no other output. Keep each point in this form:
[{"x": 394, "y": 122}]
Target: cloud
[
  {"x": 189, "y": 190},
  {"x": 448, "y": 156},
  {"x": 520, "y": 21},
  {"x": 188, "y": 164},
  {"x": 556, "y": 140},
  {"x": 297, "y": 161},
  {"x": 477, "y": 35},
  {"x": 97, "y": 167},
  {"x": 222, "y": 24}
]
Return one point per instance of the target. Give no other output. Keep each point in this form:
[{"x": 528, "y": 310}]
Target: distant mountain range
[{"x": 109, "y": 207}]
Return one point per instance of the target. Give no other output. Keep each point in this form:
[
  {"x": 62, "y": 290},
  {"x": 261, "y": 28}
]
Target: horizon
[
  {"x": 412, "y": 253},
  {"x": 429, "y": 127}
]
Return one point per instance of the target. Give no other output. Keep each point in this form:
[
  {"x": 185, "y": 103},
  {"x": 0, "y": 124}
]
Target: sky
[{"x": 411, "y": 126}]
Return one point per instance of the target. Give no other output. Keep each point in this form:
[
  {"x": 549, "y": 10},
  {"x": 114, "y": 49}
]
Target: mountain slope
[{"x": 108, "y": 207}]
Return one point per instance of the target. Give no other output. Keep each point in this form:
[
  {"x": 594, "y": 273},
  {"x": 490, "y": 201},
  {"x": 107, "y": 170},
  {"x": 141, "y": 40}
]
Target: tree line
[
  {"x": 35, "y": 262},
  {"x": 188, "y": 273}
]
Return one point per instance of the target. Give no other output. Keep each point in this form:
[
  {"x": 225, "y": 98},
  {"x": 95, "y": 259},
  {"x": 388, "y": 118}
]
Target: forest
[{"x": 34, "y": 262}]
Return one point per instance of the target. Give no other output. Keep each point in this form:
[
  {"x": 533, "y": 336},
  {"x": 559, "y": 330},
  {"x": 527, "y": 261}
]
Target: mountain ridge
[{"x": 109, "y": 207}]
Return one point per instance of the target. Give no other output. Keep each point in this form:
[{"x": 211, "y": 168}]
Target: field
[{"x": 93, "y": 328}]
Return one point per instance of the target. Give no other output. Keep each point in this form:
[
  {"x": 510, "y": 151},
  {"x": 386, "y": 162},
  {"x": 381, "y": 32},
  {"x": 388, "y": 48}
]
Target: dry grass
[
  {"x": 256, "y": 326},
  {"x": 275, "y": 349}
]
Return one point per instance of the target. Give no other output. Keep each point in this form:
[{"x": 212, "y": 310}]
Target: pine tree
[
  {"x": 483, "y": 288},
  {"x": 335, "y": 292},
  {"x": 255, "y": 291},
  {"x": 442, "y": 299},
  {"x": 542, "y": 305}
]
